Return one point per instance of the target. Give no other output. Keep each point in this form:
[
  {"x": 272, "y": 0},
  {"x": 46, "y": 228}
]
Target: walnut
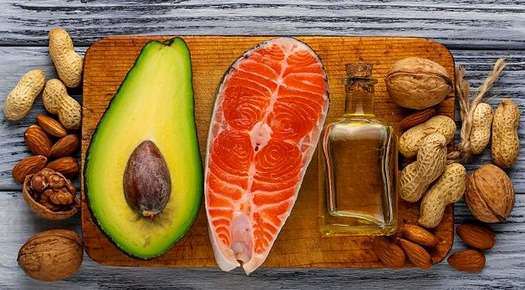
[
  {"x": 61, "y": 197},
  {"x": 50, "y": 195},
  {"x": 418, "y": 83},
  {"x": 51, "y": 255},
  {"x": 38, "y": 183},
  {"x": 490, "y": 194},
  {"x": 56, "y": 182}
]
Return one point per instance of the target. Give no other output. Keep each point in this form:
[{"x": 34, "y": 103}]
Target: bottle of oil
[{"x": 358, "y": 163}]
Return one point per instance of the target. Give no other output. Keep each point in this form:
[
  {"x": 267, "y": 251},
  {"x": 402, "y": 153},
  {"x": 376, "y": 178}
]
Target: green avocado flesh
[{"x": 155, "y": 103}]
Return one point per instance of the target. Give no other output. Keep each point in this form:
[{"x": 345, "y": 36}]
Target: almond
[
  {"x": 65, "y": 165},
  {"x": 28, "y": 165},
  {"x": 65, "y": 146},
  {"x": 467, "y": 261},
  {"x": 51, "y": 126},
  {"x": 476, "y": 236},
  {"x": 416, "y": 254},
  {"x": 37, "y": 140},
  {"x": 418, "y": 235},
  {"x": 417, "y": 118},
  {"x": 390, "y": 254}
]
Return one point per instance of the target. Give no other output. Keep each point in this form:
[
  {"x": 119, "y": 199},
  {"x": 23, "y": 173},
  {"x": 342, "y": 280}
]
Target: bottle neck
[{"x": 359, "y": 88}]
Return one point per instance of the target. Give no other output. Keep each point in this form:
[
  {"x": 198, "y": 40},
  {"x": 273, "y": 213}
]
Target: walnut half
[{"x": 50, "y": 195}]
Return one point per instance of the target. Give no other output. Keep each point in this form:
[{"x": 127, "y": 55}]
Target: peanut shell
[
  {"x": 449, "y": 188},
  {"x": 20, "y": 100},
  {"x": 481, "y": 124},
  {"x": 67, "y": 62},
  {"x": 411, "y": 140},
  {"x": 58, "y": 101},
  {"x": 429, "y": 165},
  {"x": 505, "y": 139}
]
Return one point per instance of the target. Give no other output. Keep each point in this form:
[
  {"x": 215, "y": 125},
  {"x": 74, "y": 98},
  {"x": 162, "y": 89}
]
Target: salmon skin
[{"x": 268, "y": 114}]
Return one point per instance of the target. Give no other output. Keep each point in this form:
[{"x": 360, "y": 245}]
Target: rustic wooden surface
[
  {"x": 478, "y": 32},
  {"x": 300, "y": 243}
]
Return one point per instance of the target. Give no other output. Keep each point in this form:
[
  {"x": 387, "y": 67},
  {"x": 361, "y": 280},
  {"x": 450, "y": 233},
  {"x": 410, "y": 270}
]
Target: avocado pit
[{"x": 147, "y": 182}]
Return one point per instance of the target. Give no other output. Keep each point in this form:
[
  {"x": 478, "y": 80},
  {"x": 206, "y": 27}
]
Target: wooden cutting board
[{"x": 299, "y": 243}]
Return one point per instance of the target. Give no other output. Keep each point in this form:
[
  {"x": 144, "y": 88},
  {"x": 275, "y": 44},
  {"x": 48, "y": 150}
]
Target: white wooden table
[{"x": 477, "y": 32}]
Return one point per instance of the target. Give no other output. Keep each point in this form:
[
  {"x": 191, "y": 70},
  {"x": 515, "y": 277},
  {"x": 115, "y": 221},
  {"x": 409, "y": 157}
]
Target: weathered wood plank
[
  {"x": 15, "y": 61},
  {"x": 462, "y": 24},
  {"x": 504, "y": 264}
]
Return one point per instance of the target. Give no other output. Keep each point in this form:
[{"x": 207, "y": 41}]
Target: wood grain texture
[
  {"x": 300, "y": 243},
  {"x": 504, "y": 264},
  {"x": 464, "y": 23}
]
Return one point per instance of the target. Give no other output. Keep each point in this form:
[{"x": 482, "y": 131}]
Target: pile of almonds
[
  {"x": 45, "y": 176},
  {"x": 479, "y": 238},
  {"x": 412, "y": 242},
  {"x": 435, "y": 177},
  {"x": 416, "y": 244}
]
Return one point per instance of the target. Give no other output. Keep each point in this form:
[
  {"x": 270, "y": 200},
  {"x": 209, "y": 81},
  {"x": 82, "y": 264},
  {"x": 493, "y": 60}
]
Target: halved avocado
[{"x": 154, "y": 105}]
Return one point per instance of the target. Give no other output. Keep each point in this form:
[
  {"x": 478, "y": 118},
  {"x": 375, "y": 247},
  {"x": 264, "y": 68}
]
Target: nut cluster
[
  {"x": 435, "y": 177},
  {"x": 52, "y": 190},
  {"x": 57, "y": 156},
  {"x": 68, "y": 64},
  {"x": 46, "y": 188},
  {"x": 478, "y": 238},
  {"x": 413, "y": 242},
  {"x": 56, "y": 254}
]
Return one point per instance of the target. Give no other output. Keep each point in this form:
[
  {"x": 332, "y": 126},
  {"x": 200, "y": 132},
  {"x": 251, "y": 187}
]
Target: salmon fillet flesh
[{"x": 268, "y": 114}]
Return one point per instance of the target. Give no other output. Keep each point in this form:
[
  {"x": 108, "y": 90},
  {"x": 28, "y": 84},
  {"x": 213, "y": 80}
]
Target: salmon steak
[{"x": 268, "y": 114}]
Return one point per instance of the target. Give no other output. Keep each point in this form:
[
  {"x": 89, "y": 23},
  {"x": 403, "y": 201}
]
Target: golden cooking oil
[{"x": 358, "y": 165}]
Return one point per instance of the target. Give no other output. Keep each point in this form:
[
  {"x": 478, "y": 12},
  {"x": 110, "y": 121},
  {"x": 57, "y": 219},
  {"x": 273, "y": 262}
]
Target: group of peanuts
[
  {"x": 428, "y": 141},
  {"x": 55, "y": 97}
]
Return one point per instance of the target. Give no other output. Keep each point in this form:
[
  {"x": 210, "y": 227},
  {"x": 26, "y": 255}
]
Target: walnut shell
[
  {"x": 51, "y": 255},
  {"x": 418, "y": 83},
  {"x": 40, "y": 209},
  {"x": 489, "y": 195}
]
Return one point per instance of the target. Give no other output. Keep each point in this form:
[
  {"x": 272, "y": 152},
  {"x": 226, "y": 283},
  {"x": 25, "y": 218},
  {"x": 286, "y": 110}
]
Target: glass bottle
[{"x": 358, "y": 163}]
